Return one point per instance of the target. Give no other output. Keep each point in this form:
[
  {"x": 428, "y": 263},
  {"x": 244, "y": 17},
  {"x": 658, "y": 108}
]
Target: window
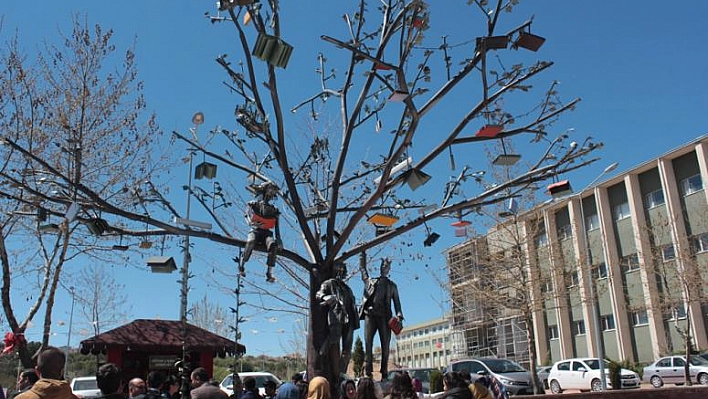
[
  {"x": 563, "y": 366},
  {"x": 678, "y": 312},
  {"x": 607, "y": 322},
  {"x": 699, "y": 243},
  {"x": 600, "y": 271},
  {"x": 553, "y": 332},
  {"x": 654, "y": 199},
  {"x": 574, "y": 279},
  {"x": 541, "y": 239},
  {"x": 546, "y": 286},
  {"x": 668, "y": 252},
  {"x": 691, "y": 185},
  {"x": 579, "y": 327},
  {"x": 629, "y": 263},
  {"x": 592, "y": 222},
  {"x": 565, "y": 232},
  {"x": 621, "y": 211},
  {"x": 639, "y": 318}
]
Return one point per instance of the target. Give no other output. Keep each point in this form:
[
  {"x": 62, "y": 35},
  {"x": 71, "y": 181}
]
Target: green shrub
[
  {"x": 436, "y": 381},
  {"x": 615, "y": 370}
]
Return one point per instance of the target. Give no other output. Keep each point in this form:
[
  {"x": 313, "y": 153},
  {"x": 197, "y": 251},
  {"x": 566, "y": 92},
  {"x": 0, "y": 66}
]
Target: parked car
[
  {"x": 85, "y": 387},
  {"x": 670, "y": 369},
  {"x": 227, "y": 384},
  {"x": 584, "y": 374},
  {"x": 423, "y": 374},
  {"x": 516, "y": 379},
  {"x": 542, "y": 373}
]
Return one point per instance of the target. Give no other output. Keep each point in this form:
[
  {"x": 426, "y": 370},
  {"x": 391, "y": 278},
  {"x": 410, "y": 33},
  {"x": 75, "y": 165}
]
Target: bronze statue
[
  {"x": 262, "y": 217},
  {"x": 376, "y": 311},
  {"x": 342, "y": 314}
]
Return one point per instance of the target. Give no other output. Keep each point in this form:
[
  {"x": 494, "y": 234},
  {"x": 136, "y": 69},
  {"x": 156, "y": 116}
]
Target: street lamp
[
  {"x": 68, "y": 336},
  {"x": 594, "y": 305}
]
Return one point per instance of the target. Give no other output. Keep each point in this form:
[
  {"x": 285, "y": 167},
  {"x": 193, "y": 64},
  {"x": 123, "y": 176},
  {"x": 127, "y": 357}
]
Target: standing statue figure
[
  {"x": 262, "y": 217},
  {"x": 342, "y": 314},
  {"x": 376, "y": 311}
]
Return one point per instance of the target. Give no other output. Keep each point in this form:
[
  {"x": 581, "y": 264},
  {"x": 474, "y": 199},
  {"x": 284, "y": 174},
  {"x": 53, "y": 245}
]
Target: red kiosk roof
[{"x": 146, "y": 334}]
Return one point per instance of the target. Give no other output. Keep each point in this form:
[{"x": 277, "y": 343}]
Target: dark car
[
  {"x": 515, "y": 378},
  {"x": 542, "y": 373},
  {"x": 423, "y": 374}
]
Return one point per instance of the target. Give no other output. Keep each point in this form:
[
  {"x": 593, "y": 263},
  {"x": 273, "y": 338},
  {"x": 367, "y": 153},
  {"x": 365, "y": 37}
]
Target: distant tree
[
  {"x": 210, "y": 316},
  {"x": 358, "y": 357},
  {"x": 100, "y": 297}
]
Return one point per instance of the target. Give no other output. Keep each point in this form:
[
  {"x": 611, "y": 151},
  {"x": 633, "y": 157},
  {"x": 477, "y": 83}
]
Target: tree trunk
[{"x": 687, "y": 338}]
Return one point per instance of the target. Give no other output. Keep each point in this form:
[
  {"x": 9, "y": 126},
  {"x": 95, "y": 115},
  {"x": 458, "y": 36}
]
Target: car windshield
[
  {"x": 85, "y": 385},
  {"x": 698, "y": 361},
  {"x": 594, "y": 364},
  {"x": 501, "y": 366}
]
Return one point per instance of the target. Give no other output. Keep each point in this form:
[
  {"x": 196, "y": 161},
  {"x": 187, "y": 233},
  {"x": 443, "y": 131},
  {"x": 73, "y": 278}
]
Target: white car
[
  {"x": 227, "y": 384},
  {"x": 670, "y": 370},
  {"x": 584, "y": 374},
  {"x": 85, "y": 387}
]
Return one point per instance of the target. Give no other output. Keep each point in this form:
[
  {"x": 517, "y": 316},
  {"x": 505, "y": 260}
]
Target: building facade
[
  {"x": 431, "y": 344},
  {"x": 622, "y": 264}
]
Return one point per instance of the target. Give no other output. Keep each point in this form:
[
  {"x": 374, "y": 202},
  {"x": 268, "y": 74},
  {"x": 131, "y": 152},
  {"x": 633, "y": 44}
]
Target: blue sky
[{"x": 640, "y": 69}]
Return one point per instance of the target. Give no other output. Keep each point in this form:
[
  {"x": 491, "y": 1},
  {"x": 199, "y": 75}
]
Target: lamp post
[
  {"x": 68, "y": 336},
  {"x": 594, "y": 304},
  {"x": 197, "y": 120}
]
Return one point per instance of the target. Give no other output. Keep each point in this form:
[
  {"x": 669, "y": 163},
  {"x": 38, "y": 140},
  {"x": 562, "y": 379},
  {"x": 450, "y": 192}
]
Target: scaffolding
[{"x": 486, "y": 330}]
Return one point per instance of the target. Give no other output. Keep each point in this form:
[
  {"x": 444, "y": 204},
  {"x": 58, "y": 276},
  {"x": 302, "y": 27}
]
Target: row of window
[
  {"x": 637, "y": 318},
  {"x": 621, "y": 211},
  {"x": 578, "y": 327}
]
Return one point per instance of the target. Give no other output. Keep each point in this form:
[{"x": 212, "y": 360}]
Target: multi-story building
[
  {"x": 428, "y": 344},
  {"x": 622, "y": 264}
]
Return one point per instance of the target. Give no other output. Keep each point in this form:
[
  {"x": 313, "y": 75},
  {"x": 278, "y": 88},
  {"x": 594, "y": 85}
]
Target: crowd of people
[{"x": 46, "y": 381}]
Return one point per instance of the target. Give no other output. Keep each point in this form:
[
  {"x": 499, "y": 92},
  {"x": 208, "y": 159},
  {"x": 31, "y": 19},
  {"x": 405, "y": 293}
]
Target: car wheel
[
  {"x": 545, "y": 384},
  {"x": 596, "y": 385},
  {"x": 703, "y": 379},
  {"x": 656, "y": 381},
  {"x": 555, "y": 387}
]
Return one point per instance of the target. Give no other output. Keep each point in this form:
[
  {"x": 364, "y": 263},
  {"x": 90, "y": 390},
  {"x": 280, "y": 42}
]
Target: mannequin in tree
[
  {"x": 262, "y": 217},
  {"x": 379, "y": 294}
]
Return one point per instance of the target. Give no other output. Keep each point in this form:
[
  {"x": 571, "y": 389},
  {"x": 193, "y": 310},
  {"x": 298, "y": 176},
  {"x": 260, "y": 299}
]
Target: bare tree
[
  {"x": 72, "y": 124},
  {"x": 335, "y": 206},
  {"x": 101, "y": 298},
  {"x": 210, "y": 316},
  {"x": 674, "y": 273}
]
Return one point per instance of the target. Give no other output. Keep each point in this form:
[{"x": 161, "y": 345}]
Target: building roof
[{"x": 158, "y": 336}]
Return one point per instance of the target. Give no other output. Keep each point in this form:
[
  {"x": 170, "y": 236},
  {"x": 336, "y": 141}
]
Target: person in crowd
[
  {"x": 455, "y": 386},
  {"x": 366, "y": 389},
  {"x": 201, "y": 389},
  {"x": 401, "y": 386},
  {"x": 269, "y": 387},
  {"x": 51, "y": 384},
  {"x": 136, "y": 388},
  {"x": 288, "y": 391},
  {"x": 250, "y": 390},
  {"x": 318, "y": 388},
  {"x": 238, "y": 387},
  {"x": 418, "y": 387},
  {"x": 110, "y": 381},
  {"x": 155, "y": 381},
  {"x": 25, "y": 380},
  {"x": 299, "y": 381},
  {"x": 347, "y": 389},
  {"x": 170, "y": 389}
]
